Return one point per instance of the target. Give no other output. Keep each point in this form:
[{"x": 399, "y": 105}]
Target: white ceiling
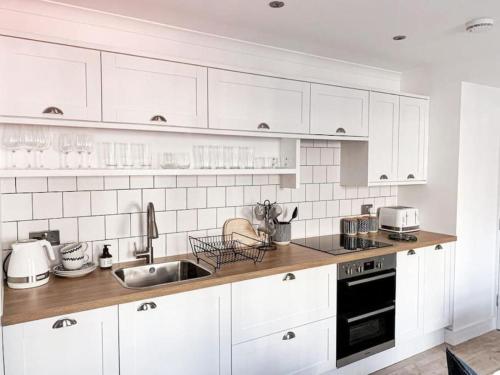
[{"x": 354, "y": 30}]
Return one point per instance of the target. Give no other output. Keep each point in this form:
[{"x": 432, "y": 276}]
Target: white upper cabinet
[
  {"x": 79, "y": 344},
  {"x": 413, "y": 118},
  {"x": 339, "y": 111},
  {"x": 149, "y": 91},
  {"x": 383, "y": 143},
  {"x": 240, "y": 101},
  {"x": 185, "y": 333},
  {"x": 49, "y": 81}
]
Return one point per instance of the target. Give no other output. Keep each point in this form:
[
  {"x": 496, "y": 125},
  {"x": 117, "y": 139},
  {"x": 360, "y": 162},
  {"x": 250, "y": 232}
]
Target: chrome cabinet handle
[
  {"x": 146, "y": 306},
  {"x": 438, "y": 247},
  {"x": 289, "y": 335},
  {"x": 384, "y": 177},
  {"x": 340, "y": 131},
  {"x": 158, "y": 118},
  {"x": 263, "y": 125},
  {"x": 410, "y": 176},
  {"x": 411, "y": 252},
  {"x": 65, "y": 322},
  {"x": 53, "y": 111},
  {"x": 289, "y": 276}
]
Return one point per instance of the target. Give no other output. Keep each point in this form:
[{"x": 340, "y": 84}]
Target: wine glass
[
  {"x": 80, "y": 148},
  {"x": 43, "y": 142},
  {"x": 11, "y": 140},
  {"x": 89, "y": 148},
  {"x": 66, "y": 145},
  {"x": 29, "y": 143}
]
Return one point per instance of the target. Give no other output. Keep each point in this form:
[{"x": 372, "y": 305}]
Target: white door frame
[{"x": 498, "y": 253}]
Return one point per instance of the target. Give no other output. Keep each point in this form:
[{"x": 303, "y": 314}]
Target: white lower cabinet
[
  {"x": 78, "y": 344},
  {"x": 308, "y": 349},
  {"x": 185, "y": 333},
  {"x": 271, "y": 304}
]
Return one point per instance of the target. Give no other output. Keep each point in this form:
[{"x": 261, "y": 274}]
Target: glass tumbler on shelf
[
  {"x": 125, "y": 155},
  {"x": 168, "y": 160},
  {"x": 11, "y": 140},
  {"x": 243, "y": 157},
  {"x": 182, "y": 160},
  {"x": 214, "y": 160},
  {"x": 109, "y": 154},
  {"x": 228, "y": 157},
  {"x": 198, "y": 156},
  {"x": 235, "y": 159},
  {"x": 206, "y": 157}
]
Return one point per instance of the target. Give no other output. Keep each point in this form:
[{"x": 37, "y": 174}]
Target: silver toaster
[{"x": 399, "y": 219}]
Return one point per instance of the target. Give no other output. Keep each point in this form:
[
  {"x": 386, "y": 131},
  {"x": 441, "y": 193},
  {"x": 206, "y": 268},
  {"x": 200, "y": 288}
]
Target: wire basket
[{"x": 228, "y": 248}]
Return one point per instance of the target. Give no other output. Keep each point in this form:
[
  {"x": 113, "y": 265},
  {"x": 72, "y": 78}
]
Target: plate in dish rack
[{"x": 85, "y": 270}]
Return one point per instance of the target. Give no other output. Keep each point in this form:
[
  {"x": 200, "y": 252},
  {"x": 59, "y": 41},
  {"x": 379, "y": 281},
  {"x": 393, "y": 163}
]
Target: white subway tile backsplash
[
  {"x": 332, "y": 208},
  {"x": 76, "y": 203},
  {"x": 379, "y": 202},
  {"x": 234, "y": 195},
  {"x": 204, "y": 181},
  {"x": 338, "y": 191},
  {"x": 216, "y": 197},
  {"x": 187, "y": 220},
  {"x": 319, "y": 174},
  {"x": 326, "y": 192},
  {"x": 251, "y": 195},
  {"x": 336, "y": 156},
  {"x": 303, "y": 156},
  {"x": 62, "y": 183},
  {"x": 31, "y": 184},
  {"x": 47, "y": 205},
  {"x": 363, "y": 191},
  {"x": 260, "y": 179},
  {"x": 7, "y": 185},
  {"x": 129, "y": 201},
  {"x": 138, "y": 224},
  {"x": 312, "y": 228},
  {"x": 305, "y": 210},
  {"x": 156, "y": 196},
  {"x": 160, "y": 246},
  {"x": 320, "y": 143},
  {"x": 25, "y": 227},
  {"x": 333, "y": 173},
  {"x": 177, "y": 243},
  {"x": 91, "y": 228},
  {"x": 391, "y": 201},
  {"x": 175, "y": 199},
  {"x": 313, "y": 156},
  {"x": 345, "y": 208},
  {"x": 165, "y": 181},
  {"x": 186, "y": 181},
  {"x": 327, "y": 156},
  {"x": 16, "y": 207},
  {"x": 385, "y": 191},
  {"x": 394, "y": 190},
  {"x": 127, "y": 247},
  {"x": 166, "y": 221},
  {"x": 207, "y": 218},
  {"x": 104, "y": 202},
  {"x": 298, "y": 228},
  {"x": 312, "y": 192},
  {"x": 223, "y": 214},
  {"x": 245, "y": 212},
  {"x": 9, "y": 235},
  {"x": 228, "y": 180},
  {"x": 268, "y": 192},
  {"x": 67, "y": 227},
  {"x": 283, "y": 195},
  {"x": 356, "y": 206},
  {"x": 116, "y": 182},
  {"x": 274, "y": 179},
  {"x": 351, "y": 192},
  {"x": 299, "y": 195},
  {"x": 141, "y": 182},
  {"x": 334, "y": 144},
  {"x": 306, "y": 174},
  {"x": 325, "y": 226},
  {"x": 90, "y": 183},
  {"x": 374, "y": 191},
  {"x": 319, "y": 209},
  {"x": 243, "y": 180},
  {"x": 196, "y": 198},
  {"x": 117, "y": 226}
]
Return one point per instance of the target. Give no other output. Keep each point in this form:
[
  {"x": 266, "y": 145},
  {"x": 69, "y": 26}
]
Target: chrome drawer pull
[
  {"x": 53, "y": 111},
  {"x": 384, "y": 177},
  {"x": 289, "y": 335},
  {"x": 438, "y": 247},
  {"x": 146, "y": 306},
  {"x": 367, "y": 315},
  {"x": 263, "y": 125},
  {"x": 158, "y": 118},
  {"x": 410, "y": 177},
  {"x": 66, "y": 322},
  {"x": 369, "y": 279},
  {"x": 289, "y": 276},
  {"x": 411, "y": 252},
  {"x": 340, "y": 131}
]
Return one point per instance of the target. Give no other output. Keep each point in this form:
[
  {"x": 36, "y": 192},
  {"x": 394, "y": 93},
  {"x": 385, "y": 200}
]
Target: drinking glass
[
  {"x": 228, "y": 156},
  {"x": 260, "y": 162},
  {"x": 89, "y": 149},
  {"x": 11, "y": 140},
  {"x": 81, "y": 148},
  {"x": 109, "y": 154},
  {"x": 206, "y": 157},
  {"x": 168, "y": 160},
  {"x": 146, "y": 156},
  {"x": 66, "y": 146},
  {"x": 214, "y": 162},
  {"x": 250, "y": 157},
  {"x": 43, "y": 143},
  {"x": 198, "y": 156},
  {"x": 182, "y": 160},
  {"x": 124, "y": 155},
  {"x": 243, "y": 157},
  {"x": 29, "y": 143}
]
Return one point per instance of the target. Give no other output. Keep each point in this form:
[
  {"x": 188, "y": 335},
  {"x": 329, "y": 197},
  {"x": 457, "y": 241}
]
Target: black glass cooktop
[{"x": 339, "y": 244}]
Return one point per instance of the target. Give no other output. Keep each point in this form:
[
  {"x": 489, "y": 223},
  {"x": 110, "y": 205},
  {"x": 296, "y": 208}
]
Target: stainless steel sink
[{"x": 152, "y": 275}]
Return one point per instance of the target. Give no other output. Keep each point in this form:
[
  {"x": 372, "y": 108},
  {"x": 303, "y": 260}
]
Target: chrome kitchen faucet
[{"x": 152, "y": 232}]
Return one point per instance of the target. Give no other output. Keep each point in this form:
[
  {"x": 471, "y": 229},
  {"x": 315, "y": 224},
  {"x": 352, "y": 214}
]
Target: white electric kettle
[{"x": 28, "y": 265}]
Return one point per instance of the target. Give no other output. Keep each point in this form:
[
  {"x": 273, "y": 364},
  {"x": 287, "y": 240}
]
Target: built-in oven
[{"x": 366, "y": 294}]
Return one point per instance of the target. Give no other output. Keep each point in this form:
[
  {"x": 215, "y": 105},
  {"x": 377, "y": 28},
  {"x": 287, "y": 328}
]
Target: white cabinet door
[
  {"x": 413, "y": 118},
  {"x": 409, "y": 294},
  {"x": 149, "y": 91},
  {"x": 85, "y": 343},
  {"x": 383, "y": 141},
  {"x": 308, "y": 349},
  {"x": 49, "y": 80},
  {"x": 339, "y": 111},
  {"x": 185, "y": 333},
  {"x": 240, "y": 101},
  {"x": 437, "y": 279},
  {"x": 270, "y": 304}
]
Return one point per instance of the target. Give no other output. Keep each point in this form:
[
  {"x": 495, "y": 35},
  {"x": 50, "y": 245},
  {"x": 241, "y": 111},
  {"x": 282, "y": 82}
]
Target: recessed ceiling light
[
  {"x": 479, "y": 25},
  {"x": 399, "y": 37},
  {"x": 277, "y": 4}
]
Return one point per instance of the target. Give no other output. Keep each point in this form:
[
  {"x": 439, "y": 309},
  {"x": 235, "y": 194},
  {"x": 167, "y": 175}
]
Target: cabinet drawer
[
  {"x": 270, "y": 304},
  {"x": 239, "y": 101},
  {"x": 308, "y": 349},
  {"x": 80, "y": 344},
  {"x": 49, "y": 80},
  {"x": 149, "y": 91}
]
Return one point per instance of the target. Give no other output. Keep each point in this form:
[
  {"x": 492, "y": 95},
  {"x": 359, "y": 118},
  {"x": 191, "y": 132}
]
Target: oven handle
[
  {"x": 367, "y": 315},
  {"x": 373, "y": 278}
]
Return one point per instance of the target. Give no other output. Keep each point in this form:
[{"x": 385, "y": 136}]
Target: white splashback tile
[
  {"x": 91, "y": 228},
  {"x": 104, "y": 202},
  {"x": 7, "y": 185},
  {"x": 90, "y": 183},
  {"x": 117, "y": 226},
  {"x": 67, "y": 227},
  {"x": 166, "y": 221},
  {"x": 196, "y": 198},
  {"x": 62, "y": 183},
  {"x": 234, "y": 196},
  {"x": 9, "y": 235},
  {"x": 25, "y": 227},
  {"x": 216, "y": 196},
  {"x": 16, "y": 207},
  {"x": 187, "y": 220},
  {"x": 129, "y": 201},
  {"x": 157, "y": 196},
  {"x": 141, "y": 182},
  {"x": 116, "y": 182},
  {"x": 175, "y": 199},
  {"x": 31, "y": 184},
  {"x": 76, "y": 203},
  {"x": 47, "y": 205}
]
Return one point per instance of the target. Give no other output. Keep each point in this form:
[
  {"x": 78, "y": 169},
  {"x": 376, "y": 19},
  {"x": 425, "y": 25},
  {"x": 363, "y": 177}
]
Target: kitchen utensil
[
  {"x": 87, "y": 268},
  {"x": 241, "y": 226},
  {"x": 275, "y": 211},
  {"x": 294, "y": 214},
  {"x": 260, "y": 210},
  {"x": 28, "y": 266},
  {"x": 283, "y": 233}
]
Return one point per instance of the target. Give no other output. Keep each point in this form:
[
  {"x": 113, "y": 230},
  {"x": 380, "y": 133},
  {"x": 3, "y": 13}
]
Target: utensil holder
[{"x": 283, "y": 233}]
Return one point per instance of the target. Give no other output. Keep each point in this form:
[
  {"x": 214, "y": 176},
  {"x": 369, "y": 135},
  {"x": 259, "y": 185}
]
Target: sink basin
[{"x": 152, "y": 275}]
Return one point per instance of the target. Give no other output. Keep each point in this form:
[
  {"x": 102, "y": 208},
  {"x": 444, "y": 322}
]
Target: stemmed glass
[
  {"x": 43, "y": 143},
  {"x": 81, "y": 148},
  {"x": 12, "y": 141},
  {"x": 89, "y": 148},
  {"x": 29, "y": 143},
  {"x": 66, "y": 146}
]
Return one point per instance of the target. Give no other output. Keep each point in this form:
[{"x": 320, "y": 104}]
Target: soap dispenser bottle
[{"x": 106, "y": 259}]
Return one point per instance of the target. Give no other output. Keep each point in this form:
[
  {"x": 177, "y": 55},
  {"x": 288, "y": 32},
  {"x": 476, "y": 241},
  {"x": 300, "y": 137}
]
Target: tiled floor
[{"x": 481, "y": 353}]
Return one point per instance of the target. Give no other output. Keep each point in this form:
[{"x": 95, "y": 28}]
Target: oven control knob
[
  {"x": 359, "y": 269},
  {"x": 379, "y": 265}
]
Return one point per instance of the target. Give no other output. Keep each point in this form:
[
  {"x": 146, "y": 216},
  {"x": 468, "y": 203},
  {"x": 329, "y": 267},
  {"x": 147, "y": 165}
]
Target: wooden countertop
[{"x": 99, "y": 289}]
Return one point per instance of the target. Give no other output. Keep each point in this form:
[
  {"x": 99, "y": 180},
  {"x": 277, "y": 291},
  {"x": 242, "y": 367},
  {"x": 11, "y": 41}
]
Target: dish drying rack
[{"x": 228, "y": 248}]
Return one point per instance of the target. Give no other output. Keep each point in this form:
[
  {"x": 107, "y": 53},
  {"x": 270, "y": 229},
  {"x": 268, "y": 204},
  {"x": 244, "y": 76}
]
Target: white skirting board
[{"x": 458, "y": 336}]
